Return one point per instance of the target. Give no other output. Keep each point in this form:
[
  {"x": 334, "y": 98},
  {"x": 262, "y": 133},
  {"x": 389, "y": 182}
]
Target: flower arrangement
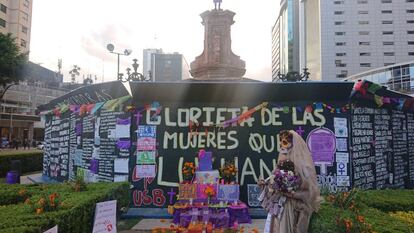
[
  {"x": 285, "y": 179},
  {"x": 209, "y": 191},
  {"x": 45, "y": 203},
  {"x": 188, "y": 171},
  {"x": 228, "y": 172}
]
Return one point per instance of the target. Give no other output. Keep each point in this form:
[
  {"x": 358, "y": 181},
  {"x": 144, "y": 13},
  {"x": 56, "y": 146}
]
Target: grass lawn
[{"x": 15, "y": 152}]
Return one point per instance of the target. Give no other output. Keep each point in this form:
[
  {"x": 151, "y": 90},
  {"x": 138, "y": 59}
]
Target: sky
[{"x": 77, "y": 31}]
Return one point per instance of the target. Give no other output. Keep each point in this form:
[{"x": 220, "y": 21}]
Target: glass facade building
[
  {"x": 398, "y": 77},
  {"x": 285, "y": 57}
]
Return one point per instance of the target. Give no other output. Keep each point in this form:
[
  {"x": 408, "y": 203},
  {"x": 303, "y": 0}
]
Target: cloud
[{"x": 95, "y": 43}]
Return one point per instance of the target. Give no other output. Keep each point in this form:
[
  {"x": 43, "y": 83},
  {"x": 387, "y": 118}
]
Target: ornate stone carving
[{"x": 217, "y": 60}]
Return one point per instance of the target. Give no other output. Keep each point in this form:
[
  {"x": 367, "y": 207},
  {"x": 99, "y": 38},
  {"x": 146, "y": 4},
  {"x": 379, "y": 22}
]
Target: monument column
[{"x": 217, "y": 60}]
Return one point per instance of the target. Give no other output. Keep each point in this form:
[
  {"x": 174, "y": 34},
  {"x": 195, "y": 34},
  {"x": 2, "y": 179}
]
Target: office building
[
  {"x": 18, "y": 118},
  {"x": 147, "y": 60},
  {"x": 337, "y": 39},
  {"x": 398, "y": 77},
  {"x": 16, "y": 18},
  {"x": 165, "y": 67}
]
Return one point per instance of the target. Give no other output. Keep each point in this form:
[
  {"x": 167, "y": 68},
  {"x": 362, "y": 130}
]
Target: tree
[{"x": 12, "y": 61}]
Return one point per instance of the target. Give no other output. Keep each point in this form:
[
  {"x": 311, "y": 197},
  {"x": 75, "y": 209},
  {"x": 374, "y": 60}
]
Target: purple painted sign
[
  {"x": 205, "y": 160},
  {"x": 322, "y": 144}
]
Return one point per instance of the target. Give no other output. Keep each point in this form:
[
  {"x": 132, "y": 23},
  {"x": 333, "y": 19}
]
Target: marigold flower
[
  {"x": 22, "y": 192},
  {"x": 360, "y": 218},
  {"x": 42, "y": 201},
  {"x": 39, "y": 210}
]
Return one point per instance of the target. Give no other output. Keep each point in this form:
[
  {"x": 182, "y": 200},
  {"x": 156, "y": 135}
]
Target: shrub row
[
  {"x": 388, "y": 200},
  {"x": 75, "y": 214},
  {"x": 374, "y": 206},
  {"x": 30, "y": 162}
]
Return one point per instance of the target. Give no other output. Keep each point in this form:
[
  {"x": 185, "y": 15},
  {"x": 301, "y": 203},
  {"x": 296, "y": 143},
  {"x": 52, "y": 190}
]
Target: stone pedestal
[{"x": 217, "y": 60}]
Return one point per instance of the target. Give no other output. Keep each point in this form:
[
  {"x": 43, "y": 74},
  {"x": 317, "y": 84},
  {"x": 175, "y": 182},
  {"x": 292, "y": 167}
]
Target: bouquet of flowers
[
  {"x": 228, "y": 172},
  {"x": 209, "y": 192},
  {"x": 285, "y": 179},
  {"x": 188, "y": 171}
]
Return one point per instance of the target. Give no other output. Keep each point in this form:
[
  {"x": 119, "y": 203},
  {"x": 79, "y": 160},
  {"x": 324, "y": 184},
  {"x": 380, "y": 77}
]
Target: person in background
[{"x": 25, "y": 143}]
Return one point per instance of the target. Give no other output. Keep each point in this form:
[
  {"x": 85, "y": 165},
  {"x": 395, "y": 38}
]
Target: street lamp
[
  {"x": 126, "y": 52},
  {"x": 134, "y": 76},
  {"x": 293, "y": 76},
  {"x": 74, "y": 73}
]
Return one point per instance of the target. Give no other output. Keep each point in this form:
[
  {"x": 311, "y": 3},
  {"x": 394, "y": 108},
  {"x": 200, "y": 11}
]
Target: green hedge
[
  {"x": 374, "y": 205},
  {"x": 75, "y": 215},
  {"x": 388, "y": 200},
  {"x": 30, "y": 162}
]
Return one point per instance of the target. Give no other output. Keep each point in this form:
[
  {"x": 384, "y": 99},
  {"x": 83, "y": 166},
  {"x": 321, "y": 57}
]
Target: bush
[
  {"x": 361, "y": 210},
  {"x": 388, "y": 200},
  {"x": 30, "y": 162},
  {"x": 75, "y": 214}
]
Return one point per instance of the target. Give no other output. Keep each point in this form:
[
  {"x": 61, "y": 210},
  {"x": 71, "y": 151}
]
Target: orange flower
[
  {"x": 39, "y": 210},
  {"x": 22, "y": 192},
  {"x": 27, "y": 201},
  {"x": 209, "y": 191},
  {"x": 348, "y": 224},
  {"x": 42, "y": 201},
  {"x": 360, "y": 218}
]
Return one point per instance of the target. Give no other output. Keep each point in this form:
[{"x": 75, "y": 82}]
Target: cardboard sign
[
  {"x": 207, "y": 177},
  {"x": 228, "y": 192},
  {"x": 146, "y": 143},
  {"x": 146, "y": 131},
  {"x": 187, "y": 191},
  {"x": 253, "y": 193},
  {"x": 145, "y": 157},
  {"x": 145, "y": 171},
  {"x": 105, "y": 217},
  {"x": 52, "y": 230}
]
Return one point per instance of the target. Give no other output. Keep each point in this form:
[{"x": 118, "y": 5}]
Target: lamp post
[
  {"x": 74, "y": 73},
  {"x": 126, "y": 52},
  {"x": 135, "y": 75},
  {"x": 293, "y": 76}
]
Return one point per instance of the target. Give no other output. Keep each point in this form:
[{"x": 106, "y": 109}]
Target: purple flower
[{"x": 286, "y": 181}]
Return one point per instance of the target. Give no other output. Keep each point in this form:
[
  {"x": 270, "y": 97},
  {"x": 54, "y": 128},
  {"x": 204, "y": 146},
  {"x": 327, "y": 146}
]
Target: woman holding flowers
[{"x": 294, "y": 208}]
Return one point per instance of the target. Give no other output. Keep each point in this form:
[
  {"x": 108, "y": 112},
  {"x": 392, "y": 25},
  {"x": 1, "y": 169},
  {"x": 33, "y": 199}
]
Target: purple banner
[{"x": 322, "y": 144}]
